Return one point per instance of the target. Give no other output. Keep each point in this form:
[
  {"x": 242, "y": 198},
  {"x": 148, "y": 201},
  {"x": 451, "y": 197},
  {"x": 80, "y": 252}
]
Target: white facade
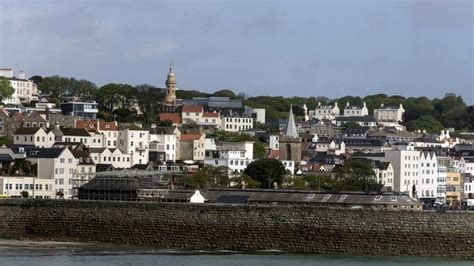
[
  {"x": 325, "y": 112},
  {"x": 234, "y": 124},
  {"x": 61, "y": 169},
  {"x": 135, "y": 143},
  {"x": 289, "y": 166},
  {"x": 441, "y": 190},
  {"x": 385, "y": 176},
  {"x": 353, "y": 110},
  {"x": 234, "y": 155},
  {"x": 259, "y": 114},
  {"x": 428, "y": 187},
  {"x": 274, "y": 142},
  {"x": 466, "y": 167},
  {"x": 34, "y": 136},
  {"x": 111, "y": 156},
  {"x": 164, "y": 143},
  {"x": 389, "y": 114},
  {"x": 25, "y": 90},
  {"x": 412, "y": 169},
  {"x": 12, "y": 186}
]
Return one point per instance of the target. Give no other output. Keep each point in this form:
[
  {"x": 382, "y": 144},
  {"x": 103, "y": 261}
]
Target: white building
[
  {"x": 411, "y": 171},
  {"x": 134, "y": 141},
  {"x": 356, "y": 110},
  {"x": 86, "y": 168},
  {"x": 234, "y": 155},
  {"x": 466, "y": 166},
  {"x": 428, "y": 186},
  {"x": 384, "y": 174},
  {"x": 325, "y": 112},
  {"x": 289, "y": 166},
  {"x": 441, "y": 189},
  {"x": 109, "y": 130},
  {"x": 389, "y": 114},
  {"x": 469, "y": 190},
  {"x": 274, "y": 142},
  {"x": 259, "y": 114},
  {"x": 25, "y": 90},
  {"x": 38, "y": 137},
  {"x": 236, "y": 123},
  {"x": 13, "y": 186},
  {"x": 57, "y": 164},
  {"x": 115, "y": 157},
  {"x": 163, "y": 140}
]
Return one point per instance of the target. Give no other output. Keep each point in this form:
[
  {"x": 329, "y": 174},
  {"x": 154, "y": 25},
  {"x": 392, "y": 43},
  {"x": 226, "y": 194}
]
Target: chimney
[
  {"x": 347, "y": 104},
  {"x": 22, "y": 75}
]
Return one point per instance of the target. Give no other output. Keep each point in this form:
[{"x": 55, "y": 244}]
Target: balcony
[{"x": 141, "y": 148}]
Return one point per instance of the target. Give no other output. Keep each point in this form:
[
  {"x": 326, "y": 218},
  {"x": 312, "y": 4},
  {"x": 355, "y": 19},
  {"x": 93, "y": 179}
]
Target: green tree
[
  {"x": 59, "y": 86},
  {"x": 5, "y": 141},
  {"x": 249, "y": 181},
  {"x": 148, "y": 99},
  {"x": 266, "y": 172},
  {"x": 225, "y": 93},
  {"x": 24, "y": 194},
  {"x": 355, "y": 175},
  {"x": 6, "y": 89},
  {"x": 208, "y": 177},
  {"x": 426, "y": 122}
]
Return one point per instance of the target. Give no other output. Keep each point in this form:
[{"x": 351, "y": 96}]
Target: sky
[{"x": 326, "y": 48}]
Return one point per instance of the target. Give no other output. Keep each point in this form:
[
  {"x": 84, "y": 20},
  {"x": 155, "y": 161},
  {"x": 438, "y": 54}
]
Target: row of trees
[
  {"x": 420, "y": 112},
  {"x": 354, "y": 175},
  {"x": 122, "y": 102}
]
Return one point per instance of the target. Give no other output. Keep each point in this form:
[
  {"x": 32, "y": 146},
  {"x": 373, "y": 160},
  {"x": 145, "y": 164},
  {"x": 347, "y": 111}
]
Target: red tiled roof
[
  {"x": 173, "y": 117},
  {"x": 192, "y": 109},
  {"x": 210, "y": 114},
  {"x": 190, "y": 137},
  {"x": 274, "y": 154},
  {"x": 91, "y": 125}
]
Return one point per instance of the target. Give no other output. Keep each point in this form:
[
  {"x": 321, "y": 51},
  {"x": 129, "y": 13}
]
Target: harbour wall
[{"x": 297, "y": 229}]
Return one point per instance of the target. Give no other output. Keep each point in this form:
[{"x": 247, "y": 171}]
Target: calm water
[{"x": 31, "y": 253}]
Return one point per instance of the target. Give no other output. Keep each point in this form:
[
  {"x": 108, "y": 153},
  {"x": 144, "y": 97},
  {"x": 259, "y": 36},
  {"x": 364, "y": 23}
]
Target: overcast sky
[{"x": 327, "y": 48}]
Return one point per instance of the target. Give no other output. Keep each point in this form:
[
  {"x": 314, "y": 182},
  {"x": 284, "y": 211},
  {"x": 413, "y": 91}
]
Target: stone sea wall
[{"x": 242, "y": 228}]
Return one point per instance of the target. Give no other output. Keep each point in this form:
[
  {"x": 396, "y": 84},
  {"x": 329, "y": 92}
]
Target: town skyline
[{"x": 422, "y": 48}]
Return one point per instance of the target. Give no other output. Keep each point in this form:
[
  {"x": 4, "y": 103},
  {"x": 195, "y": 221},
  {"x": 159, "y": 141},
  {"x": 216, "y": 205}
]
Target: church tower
[{"x": 170, "y": 97}]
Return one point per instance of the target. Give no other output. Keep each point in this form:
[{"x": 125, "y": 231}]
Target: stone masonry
[{"x": 242, "y": 228}]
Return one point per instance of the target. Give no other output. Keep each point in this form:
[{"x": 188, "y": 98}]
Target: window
[
  {"x": 326, "y": 197},
  {"x": 342, "y": 198},
  {"x": 310, "y": 196},
  {"x": 393, "y": 198},
  {"x": 378, "y": 197}
]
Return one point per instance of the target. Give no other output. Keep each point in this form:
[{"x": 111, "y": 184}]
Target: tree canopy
[
  {"x": 6, "y": 89},
  {"x": 266, "y": 172}
]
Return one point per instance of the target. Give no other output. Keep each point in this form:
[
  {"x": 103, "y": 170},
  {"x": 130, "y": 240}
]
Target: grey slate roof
[
  {"x": 366, "y": 118},
  {"x": 44, "y": 152},
  {"x": 27, "y": 130}
]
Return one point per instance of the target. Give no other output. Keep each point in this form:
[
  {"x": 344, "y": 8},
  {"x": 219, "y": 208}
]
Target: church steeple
[
  {"x": 170, "y": 97},
  {"x": 290, "y": 130}
]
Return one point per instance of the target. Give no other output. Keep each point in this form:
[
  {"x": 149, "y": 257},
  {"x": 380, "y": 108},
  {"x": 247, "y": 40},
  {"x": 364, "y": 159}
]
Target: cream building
[
  {"x": 13, "y": 186},
  {"x": 389, "y": 114},
  {"x": 134, "y": 141},
  {"x": 236, "y": 123},
  {"x": 25, "y": 90},
  {"x": 356, "y": 110},
  {"x": 57, "y": 164},
  {"x": 325, "y": 112},
  {"x": 38, "y": 137}
]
